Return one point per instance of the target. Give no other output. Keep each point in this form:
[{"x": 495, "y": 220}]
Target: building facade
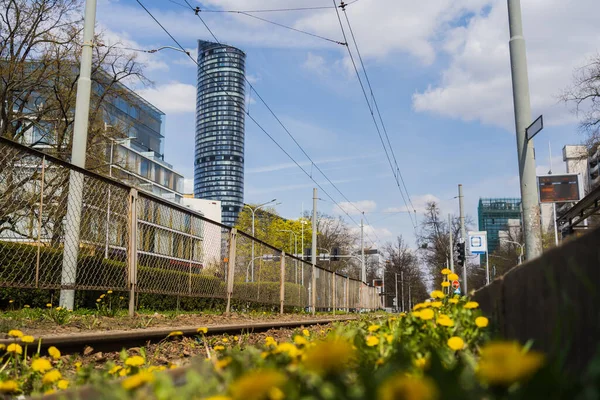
[
  {"x": 220, "y": 117},
  {"x": 496, "y": 215}
]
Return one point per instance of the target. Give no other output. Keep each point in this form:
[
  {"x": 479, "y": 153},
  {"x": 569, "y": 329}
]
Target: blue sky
[{"x": 440, "y": 72}]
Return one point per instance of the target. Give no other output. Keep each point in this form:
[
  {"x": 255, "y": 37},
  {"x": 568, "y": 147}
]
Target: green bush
[{"x": 269, "y": 293}]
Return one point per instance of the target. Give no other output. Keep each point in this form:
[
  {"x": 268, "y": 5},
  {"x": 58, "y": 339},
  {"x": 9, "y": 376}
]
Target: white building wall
[{"x": 211, "y": 244}]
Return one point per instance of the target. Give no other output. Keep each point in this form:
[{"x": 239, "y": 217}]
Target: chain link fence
[{"x": 122, "y": 239}]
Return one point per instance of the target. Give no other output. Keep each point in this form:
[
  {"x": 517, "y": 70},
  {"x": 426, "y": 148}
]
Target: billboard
[
  {"x": 477, "y": 242},
  {"x": 559, "y": 188}
]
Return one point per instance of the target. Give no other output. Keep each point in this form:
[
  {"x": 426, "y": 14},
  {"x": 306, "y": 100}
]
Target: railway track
[{"x": 111, "y": 341}]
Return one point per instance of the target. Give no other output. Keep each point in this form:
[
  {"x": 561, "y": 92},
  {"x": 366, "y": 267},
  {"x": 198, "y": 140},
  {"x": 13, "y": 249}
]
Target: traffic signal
[
  {"x": 460, "y": 249},
  {"x": 335, "y": 253}
]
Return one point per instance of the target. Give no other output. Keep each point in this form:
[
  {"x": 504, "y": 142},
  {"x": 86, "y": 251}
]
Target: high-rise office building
[
  {"x": 220, "y": 105},
  {"x": 496, "y": 215}
]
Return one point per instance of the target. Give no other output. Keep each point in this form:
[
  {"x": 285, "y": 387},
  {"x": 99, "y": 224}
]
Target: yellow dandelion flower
[
  {"x": 402, "y": 314},
  {"x": 452, "y": 277},
  {"x": 269, "y": 341},
  {"x": 41, "y": 365},
  {"x": 222, "y": 363},
  {"x": 264, "y": 355},
  {"x": 446, "y": 271},
  {"x": 418, "y": 306},
  {"x": 445, "y": 284},
  {"x": 276, "y": 394},
  {"x": 481, "y": 322},
  {"x": 26, "y": 306},
  {"x": 219, "y": 348},
  {"x": 102, "y": 296},
  {"x": 305, "y": 332},
  {"x": 444, "y": 321},
  {"x": 202, "y": 330},
  {"x": 63, "y": 384},
  {"x": 374, "y": 328},
  {"x": 453, "y": 301},
  {"x": 471, "y": 305},
  {"x": 372, "y": 341},
  {"x": 504, "y": 363},
  {"x": 51, "y": 376},
  {"x": 456, "y": 343},
  {"x": 98, "y": 300},
  {"x": 416, "y": 314},
  {"x": 300, "y": 340},
  {"x": 109, "y": 292},
  {"x": 436, "y": 304},
  {"x": 287, "y": 348},
  {"x": 15, "y": 333},
  {"x": 14, "y": 348},
  {"x": 389, "y": 338},
  {"x": 175, "y": 333},
  {"x": 123, "y": 371},
  {"x": 121, "y": 298},
  {"x": 49, "y": 305},
  {"x": 2, "y": 347},
  {"x": 135, "y": 361},
  {"x": 58, "y": 308},
  {"x": 77, "y": 365},
  {"x": 235, "y": 338},
  {"x": 11, "y": 301},
  {"x": 137, "y": 380},
  {"x": 225, "y": 340},
  {"x": 9, "y": 386},
  {"x": 401, "y": 386},
  {"x": 421, "y": 362},
  {"x": 49, "y": 391},
  {"x": 115, "y": 369},
  {"x": 379, "y": 361},
  {"x": 27, "y": 339},
  {"x": 438, "y": 294},
  {"x": 54, "y": 352},
  {"x": 427, "y": 314},
  {"x": 256, "y": 385},
  {"x": 329, "y": 356}
]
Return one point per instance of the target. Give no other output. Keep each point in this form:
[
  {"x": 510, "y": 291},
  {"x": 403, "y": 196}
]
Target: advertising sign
[
  {"x": 559, "y": 188},
  {"x": 477, "y": 242}
]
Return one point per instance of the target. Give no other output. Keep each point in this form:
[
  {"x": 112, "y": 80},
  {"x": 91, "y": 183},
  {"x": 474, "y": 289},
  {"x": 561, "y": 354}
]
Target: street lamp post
[
  {"x": 253, "y": 214},
  {"x": 518, "y": 244}
]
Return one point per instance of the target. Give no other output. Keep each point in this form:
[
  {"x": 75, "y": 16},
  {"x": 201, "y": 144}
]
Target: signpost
[
  {"x": 478, "y": 245},
  {"x": 455, "y": 284}
]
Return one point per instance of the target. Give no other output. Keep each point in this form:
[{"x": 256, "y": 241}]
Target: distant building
[
  {"x": 495, "y": 215},
  {"x": 212, "y": 244},
  {"x": 220, "y": 105}
]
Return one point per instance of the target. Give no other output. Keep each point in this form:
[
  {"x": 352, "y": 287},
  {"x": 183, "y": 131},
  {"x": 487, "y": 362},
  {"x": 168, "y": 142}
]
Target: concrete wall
[{"x": 554, "y": 300}]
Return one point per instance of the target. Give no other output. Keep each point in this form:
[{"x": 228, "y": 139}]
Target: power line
[
  {"x": 288, "y": 132},
  {"x": 394, "y": 171},
  {"x": 377, "y": 108},
  {"x": 255, "y": 121}
]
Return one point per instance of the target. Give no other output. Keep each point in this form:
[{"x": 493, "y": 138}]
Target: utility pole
[
  {"x": 313, "y": 255},
  {"x": 525, "y": 151},
  {"x": 78, "y": 153},
  {"x": 451, "y": 245},
  {"x": 363, "y": 269},
  {"x": 396, "y": 276},
  {"x": 463, "y": 233},
  {"x": 402, "y": 288}
]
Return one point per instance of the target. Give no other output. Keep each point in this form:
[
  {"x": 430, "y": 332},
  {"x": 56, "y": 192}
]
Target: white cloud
[
  {"x": 476, "y": 85},
  {"x": 419, "y": 203},
  {"x": 315, "y": 63},
  {"x": 558, "y": 167},
  {"x": 173, "y": 97},
  {"x": 122, "y": 40},
  {"x": 352, "y": 208}
]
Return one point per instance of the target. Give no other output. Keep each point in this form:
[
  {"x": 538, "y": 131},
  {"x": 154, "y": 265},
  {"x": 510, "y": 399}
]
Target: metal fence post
[
  {"x": 231, "y": 267},
  {"x": 314, "y": 289},
  {"x": 39, "y": 233},
  {"x": 334, "y": 294},
  {"x": 132, "y": 256},
  {"x": 282, "y": 283},
  {"x": 346, "y": 294}
]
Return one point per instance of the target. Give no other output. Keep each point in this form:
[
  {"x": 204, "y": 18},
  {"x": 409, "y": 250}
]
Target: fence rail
[{"x": 135, "y": 242}]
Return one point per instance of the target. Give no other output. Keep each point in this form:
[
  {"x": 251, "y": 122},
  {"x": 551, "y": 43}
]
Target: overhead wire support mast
[
  {"x": 289, "y": 134},
  {"x": 256, "y": 122},
  {"x": 395, "y": 171}
]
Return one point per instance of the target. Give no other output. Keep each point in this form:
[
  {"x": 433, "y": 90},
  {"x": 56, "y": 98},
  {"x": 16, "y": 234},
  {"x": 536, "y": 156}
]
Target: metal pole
[
  {"x": 402, "y": 288},
  {"x": 314, "y": 252},
  {"x": 487, "y": 268},
  {"x": 525, "y": 150},
  {"x": 409, "y": 300},
  {"x": 252, "y": 273},
  {"x": 108, "y": 205},
  {"x": 451, "y": 246},
  {"x": 362, "y": 252},
  {"x": 553, "y": 204},
  {"x": 463, "y": 233},
  {"x": 78, "y": 153},
  {"x": 396, "y": 276}
]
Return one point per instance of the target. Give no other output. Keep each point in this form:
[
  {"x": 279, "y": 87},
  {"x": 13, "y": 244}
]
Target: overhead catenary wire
[
  {"x": 254, "y": 120},
  {"x": 394, "y": 170},
  {"x": 257, "y": 94}
]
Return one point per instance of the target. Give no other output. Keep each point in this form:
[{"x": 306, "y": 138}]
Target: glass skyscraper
[
  {"x": 220, "y": 105},
  {"x": 494, "y": 216}
]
